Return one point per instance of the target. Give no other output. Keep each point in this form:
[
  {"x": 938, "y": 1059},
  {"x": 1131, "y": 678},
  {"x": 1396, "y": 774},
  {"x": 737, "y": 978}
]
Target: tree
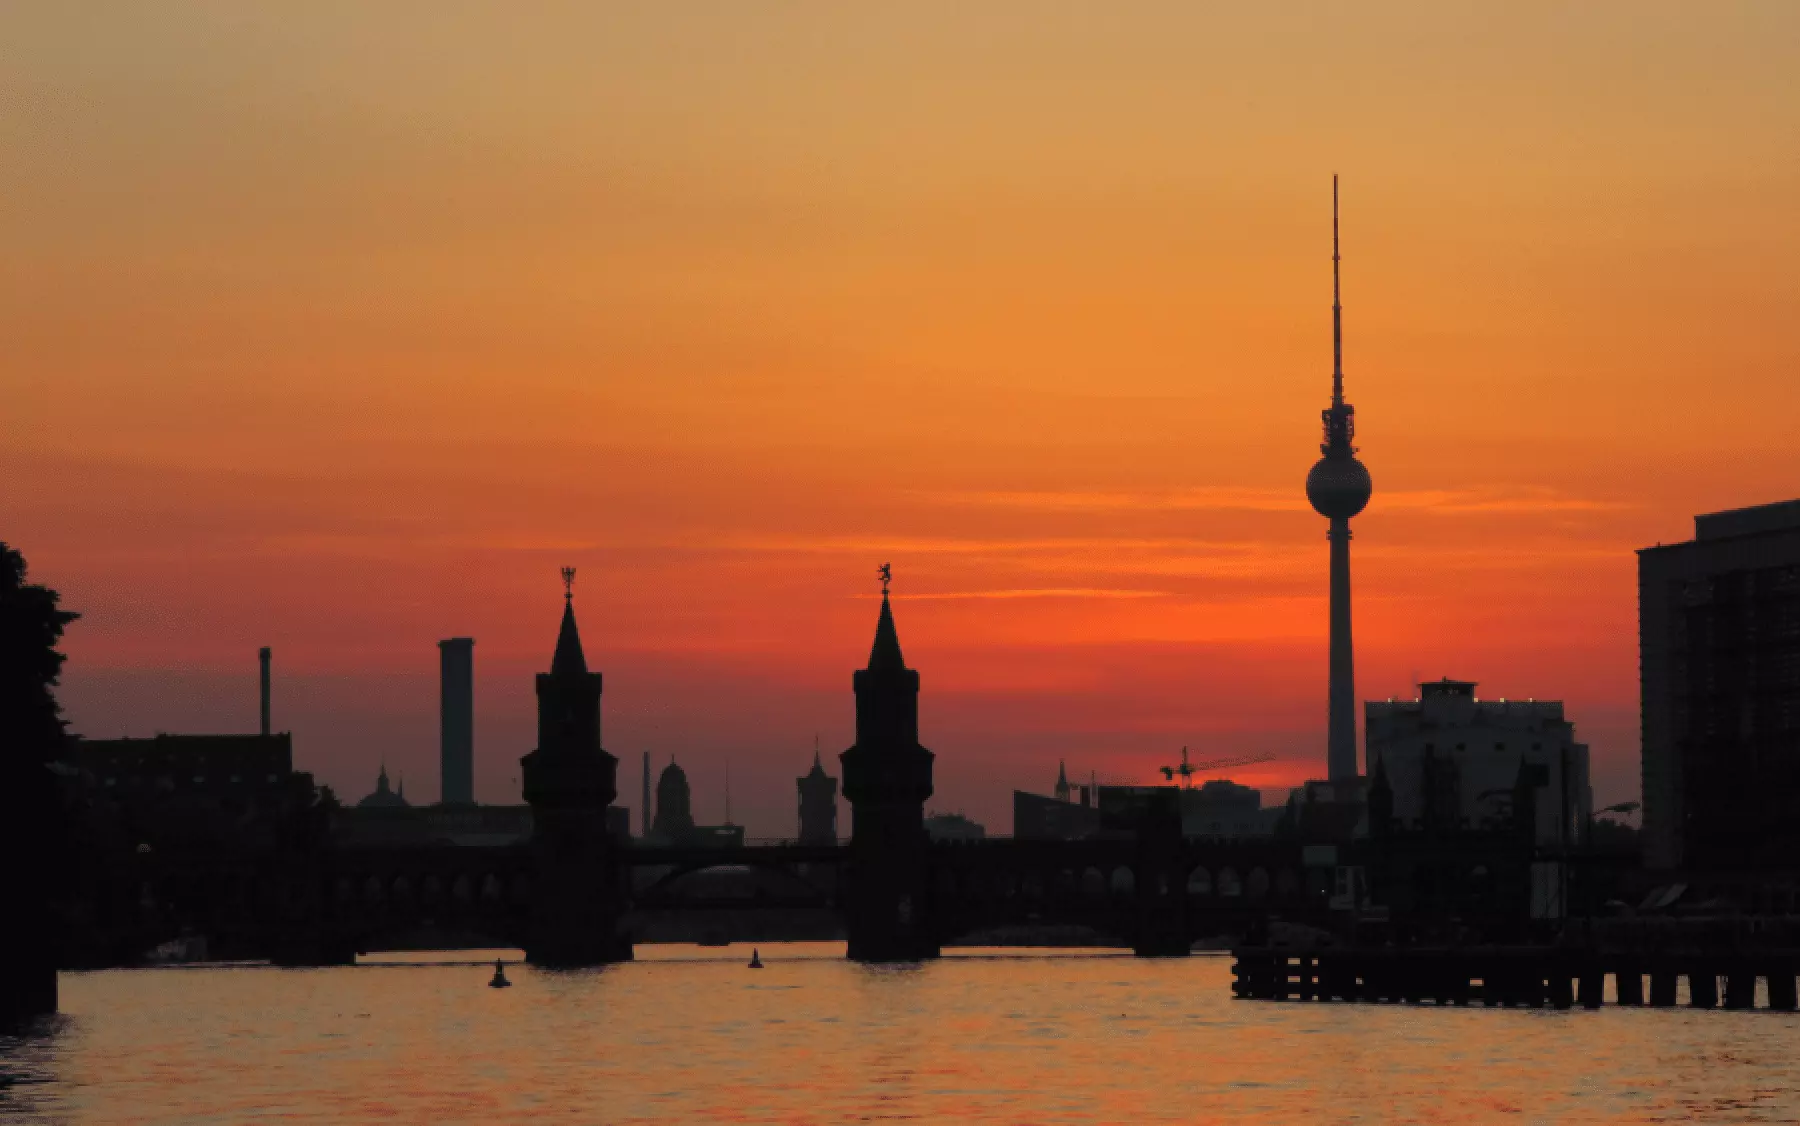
[
  {"x": 33, "y": 834},
  {"x": 31, "y": 623}
]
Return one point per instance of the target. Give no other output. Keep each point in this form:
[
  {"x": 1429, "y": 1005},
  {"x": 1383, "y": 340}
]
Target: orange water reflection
[{"x": 686, "y": 1035}]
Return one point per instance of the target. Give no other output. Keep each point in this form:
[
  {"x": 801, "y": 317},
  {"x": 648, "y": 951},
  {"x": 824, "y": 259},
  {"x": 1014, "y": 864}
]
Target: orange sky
[{"x": 340, "y": 330}]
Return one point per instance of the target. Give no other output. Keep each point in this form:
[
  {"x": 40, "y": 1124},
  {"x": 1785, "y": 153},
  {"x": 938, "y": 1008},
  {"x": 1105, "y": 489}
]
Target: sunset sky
[{"x": 339, "y": 328}]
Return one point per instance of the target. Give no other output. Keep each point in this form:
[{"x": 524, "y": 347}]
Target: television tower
[{"x": 1338, "y": 488}]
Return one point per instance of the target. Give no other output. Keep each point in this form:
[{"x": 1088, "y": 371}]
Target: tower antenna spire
[{"x": 1337, "y": 308}]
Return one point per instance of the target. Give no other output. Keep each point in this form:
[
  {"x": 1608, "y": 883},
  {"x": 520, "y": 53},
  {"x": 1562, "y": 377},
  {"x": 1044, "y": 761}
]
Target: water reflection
[{"x": 689, "y": 1034}]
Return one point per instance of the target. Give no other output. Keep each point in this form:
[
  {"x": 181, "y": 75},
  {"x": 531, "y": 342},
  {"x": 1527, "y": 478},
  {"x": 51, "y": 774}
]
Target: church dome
[{"x": 1338, "y": 487}]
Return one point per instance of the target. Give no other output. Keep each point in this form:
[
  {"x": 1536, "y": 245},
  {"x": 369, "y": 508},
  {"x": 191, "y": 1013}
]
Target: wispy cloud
[
  {"x": 1522, "y": 499},
  {"x": 1525, "y": 500},
  {"x": 1036, "y": 592},
  {"x": 1218, "y": 498}
]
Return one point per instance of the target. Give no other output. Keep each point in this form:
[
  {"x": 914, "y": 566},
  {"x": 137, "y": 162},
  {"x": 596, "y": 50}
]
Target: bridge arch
[
  {"x": 1258, "y": 883},
  {"x": 1199, "y": 881}
]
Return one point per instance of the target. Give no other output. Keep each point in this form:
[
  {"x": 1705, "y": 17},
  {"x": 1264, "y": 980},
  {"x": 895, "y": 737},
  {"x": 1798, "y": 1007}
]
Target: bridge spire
[
  {"x": 569, "y": 658},
  {"x": 885, "y": 653}
]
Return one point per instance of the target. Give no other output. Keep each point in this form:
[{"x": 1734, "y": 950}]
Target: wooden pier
[{"x": 1509, "y": 976}]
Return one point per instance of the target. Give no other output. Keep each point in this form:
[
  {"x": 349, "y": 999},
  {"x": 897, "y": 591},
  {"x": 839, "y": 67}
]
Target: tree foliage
[{"x": 31, "y": 624}]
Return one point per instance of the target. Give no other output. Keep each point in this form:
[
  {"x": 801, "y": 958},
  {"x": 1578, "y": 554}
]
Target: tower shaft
[{"x": 1340, "y": 746}]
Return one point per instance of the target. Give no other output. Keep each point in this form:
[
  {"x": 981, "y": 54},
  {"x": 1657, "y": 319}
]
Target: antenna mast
[{"x": 1337, "y": 308}]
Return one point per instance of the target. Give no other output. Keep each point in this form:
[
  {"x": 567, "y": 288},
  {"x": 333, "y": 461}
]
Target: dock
[{"x": 1556, "y": 977}]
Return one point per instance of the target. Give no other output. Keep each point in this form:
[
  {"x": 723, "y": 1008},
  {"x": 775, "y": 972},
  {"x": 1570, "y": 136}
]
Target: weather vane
[
  {"x": 569, "y": 583},
  {"x": 886, "y": 571}
]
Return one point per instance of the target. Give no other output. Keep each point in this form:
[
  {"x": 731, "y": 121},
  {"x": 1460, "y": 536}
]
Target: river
[{"x": 687, "y": 1034}]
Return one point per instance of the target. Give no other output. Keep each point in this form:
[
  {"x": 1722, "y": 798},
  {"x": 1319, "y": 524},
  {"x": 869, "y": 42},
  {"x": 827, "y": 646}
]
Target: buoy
[
  {"x": 499, "y": 979},
  {"x": 755, "y": 959}
]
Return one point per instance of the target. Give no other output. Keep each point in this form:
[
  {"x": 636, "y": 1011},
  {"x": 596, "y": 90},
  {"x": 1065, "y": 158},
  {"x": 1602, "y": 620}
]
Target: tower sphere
[{"x": 1338, "y": 487}]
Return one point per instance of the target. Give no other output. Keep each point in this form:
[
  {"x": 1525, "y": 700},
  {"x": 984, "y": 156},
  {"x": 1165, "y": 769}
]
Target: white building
[{"x": 1457, "y": 761}]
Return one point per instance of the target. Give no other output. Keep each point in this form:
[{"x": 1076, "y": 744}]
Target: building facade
[
  {"x": 1454, "y": 761},
  {"x": 1719, "y": 692}
]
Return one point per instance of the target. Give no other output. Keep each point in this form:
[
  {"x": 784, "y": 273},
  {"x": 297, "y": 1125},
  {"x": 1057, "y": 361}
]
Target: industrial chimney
[
  {"x": 456, "y": 720},
  {"x": 263, "y": 656}
]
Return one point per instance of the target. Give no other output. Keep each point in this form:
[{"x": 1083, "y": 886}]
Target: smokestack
[
  {"x": 262, "y": 656},
  {"x": 646, "y": 827},
  {"x": 456, "y": 721}
]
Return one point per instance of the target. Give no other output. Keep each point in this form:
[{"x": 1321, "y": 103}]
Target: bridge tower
[
  {"x": 578, "y": 885},
  {"x": 887, "y": 779}
]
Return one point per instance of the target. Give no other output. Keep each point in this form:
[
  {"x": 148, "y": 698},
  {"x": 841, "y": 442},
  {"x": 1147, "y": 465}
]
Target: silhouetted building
[
  {"x": 887, "y": 780},
  {"x": 456, "y": 720},
  {"x": 818, "y": 805},
  {"x": 230, "y": 768},
  {"x": 1040, "y": 818},
  {"x": 1338, "y": 488},
  {"x": 211, "y": 794},
  {"x": 1453, "y": 762},
  {"x": 1719, "y": 670},
  {"x": 383, "y": 797},
  {"x": 1221, "y": 808},
  {"x": 674, "y": 805},
  {"x": 1062, "y": 781},
  {"x": 953, "y": 827}
]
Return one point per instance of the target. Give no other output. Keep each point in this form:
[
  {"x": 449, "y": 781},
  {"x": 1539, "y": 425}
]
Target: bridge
[
  {"x": 575, "y": 893},
  {"x": 1156, "y": 895}
]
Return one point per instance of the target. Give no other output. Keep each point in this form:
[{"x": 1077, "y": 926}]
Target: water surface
[{"x": 691, "y": 1035}]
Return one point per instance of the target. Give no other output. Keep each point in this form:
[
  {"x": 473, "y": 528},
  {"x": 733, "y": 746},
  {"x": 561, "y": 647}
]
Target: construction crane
[{"x": 1187, "y": 769}]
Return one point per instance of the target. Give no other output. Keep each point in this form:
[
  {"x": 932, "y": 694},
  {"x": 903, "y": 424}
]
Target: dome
[
  {"x": 1338, "y": 487},
  {"x": 674, "y": 814}
]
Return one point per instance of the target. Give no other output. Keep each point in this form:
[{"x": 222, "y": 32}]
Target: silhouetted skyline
[{"x": 380, "y": 335}]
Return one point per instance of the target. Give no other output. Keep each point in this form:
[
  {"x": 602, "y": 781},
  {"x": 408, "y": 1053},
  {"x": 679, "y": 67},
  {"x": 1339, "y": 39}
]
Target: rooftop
[{"x": 1781, "y": 516}]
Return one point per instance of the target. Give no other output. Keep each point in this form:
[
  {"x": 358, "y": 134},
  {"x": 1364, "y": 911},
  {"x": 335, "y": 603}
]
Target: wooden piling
[
  {"x": 1740, "y": 989},
  {"x": 1629, "y": 985},
  {"x": 1703, "y": 989},
  {"x": 1782, "y": 994},
  {"x": 1662, "y": 988}
]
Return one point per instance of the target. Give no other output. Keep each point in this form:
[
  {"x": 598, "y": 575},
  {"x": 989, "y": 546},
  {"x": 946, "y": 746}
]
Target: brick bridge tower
[
  {"x": 887, "y": 779},
  {"x": 577, "y": 894}
]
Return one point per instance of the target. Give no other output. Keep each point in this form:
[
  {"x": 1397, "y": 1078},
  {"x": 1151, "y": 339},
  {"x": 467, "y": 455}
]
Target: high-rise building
[
  {"x": 1454, "y": 761},
  {"x": 456, "y": 721},
  {"x": 1338, "y": 488},
  {"x": 1719, "y": 688}
]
